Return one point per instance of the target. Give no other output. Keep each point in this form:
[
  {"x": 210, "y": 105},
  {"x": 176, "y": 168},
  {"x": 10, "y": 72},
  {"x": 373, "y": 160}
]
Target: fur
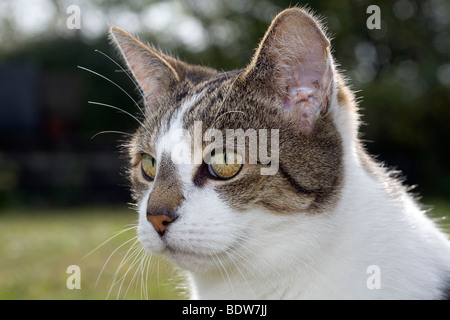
[{"x": 313, "y": 229}]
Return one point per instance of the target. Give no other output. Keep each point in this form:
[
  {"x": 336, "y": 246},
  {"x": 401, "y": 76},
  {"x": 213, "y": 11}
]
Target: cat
[{"x": 328, "y": 222}]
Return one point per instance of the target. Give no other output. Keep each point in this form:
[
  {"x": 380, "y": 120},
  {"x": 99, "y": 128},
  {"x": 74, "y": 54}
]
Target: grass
[{"x": 37, "y": 247}]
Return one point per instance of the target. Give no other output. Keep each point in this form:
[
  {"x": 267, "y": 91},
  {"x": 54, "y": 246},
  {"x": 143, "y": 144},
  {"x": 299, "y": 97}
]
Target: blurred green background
[{"x": 62, "y": 192}]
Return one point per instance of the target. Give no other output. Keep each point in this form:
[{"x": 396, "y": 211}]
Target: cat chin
[{"x": 192, "y": 262}]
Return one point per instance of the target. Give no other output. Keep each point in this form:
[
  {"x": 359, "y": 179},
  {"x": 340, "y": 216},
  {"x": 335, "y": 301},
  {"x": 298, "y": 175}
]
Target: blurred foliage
[
  {"x": 400, "y": 73},
  {"x": 37, "y": 249}
]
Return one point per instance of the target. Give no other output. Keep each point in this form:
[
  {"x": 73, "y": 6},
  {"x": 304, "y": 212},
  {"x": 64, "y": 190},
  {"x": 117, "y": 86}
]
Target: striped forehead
[
  {"x": 199, "y": 104},
  {"x": 211, "y": 97}
]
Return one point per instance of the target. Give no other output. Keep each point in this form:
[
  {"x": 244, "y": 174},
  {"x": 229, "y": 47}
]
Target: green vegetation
[{"x": 37, "y": 246}]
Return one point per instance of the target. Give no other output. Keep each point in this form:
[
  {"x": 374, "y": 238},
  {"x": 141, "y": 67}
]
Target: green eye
[
  {"x": 225, "y": 164},
  {"x": 148, "y": 166}
]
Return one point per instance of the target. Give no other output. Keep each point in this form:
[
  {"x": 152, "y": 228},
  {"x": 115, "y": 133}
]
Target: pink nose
[{"x": 160, "y": 222}]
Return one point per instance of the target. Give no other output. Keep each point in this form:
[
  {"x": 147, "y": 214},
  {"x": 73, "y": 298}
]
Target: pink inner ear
[{"x": 306, "y": 96}]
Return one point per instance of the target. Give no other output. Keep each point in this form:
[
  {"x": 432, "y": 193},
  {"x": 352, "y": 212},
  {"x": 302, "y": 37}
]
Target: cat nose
[{"x": 160, "y": 221}]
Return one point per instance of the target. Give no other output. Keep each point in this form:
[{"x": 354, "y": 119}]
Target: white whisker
[
  {"x": 222, "y": 104},
  {"x": 111, "y": 131},
  {"x": 122, "y": 89},
  {"x": 124, "y": 261},
  {"x": 109, "y": 239},
  {"x": 121, "y": 110},
  {"x": 120, "y": 265},
  {"x": 137, "y": 259},
  {"x": 126, "y": 72}
]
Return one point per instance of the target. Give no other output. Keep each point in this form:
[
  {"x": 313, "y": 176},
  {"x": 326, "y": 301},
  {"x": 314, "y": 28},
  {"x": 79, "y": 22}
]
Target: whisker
[
  {"x": 138, "y": 256},
  {"x": 158, "y": 276},
  {"x": 109, "y": 80},
  {"x": 249, "y": 265},
  {"x": 222, "y": 104},
  {"x": 150, "y": 263},
  {"x": 110, "y": 256},
  {"x": 106, "y": 241},
  {"x": 213, "y": 255},
  {"x": 121, "y": 110},
  {"x": 227, "y": 274},
  {"x": 232, "y": 111},
  {"x": 125, "y": 259},
  {"x": 138, "y": 274},
  {"x": 144, "y": 275},
  {"x": 126, "y": 72},
  {"x": 111, "y": 131},
  {"x": 231, "y": 258}
]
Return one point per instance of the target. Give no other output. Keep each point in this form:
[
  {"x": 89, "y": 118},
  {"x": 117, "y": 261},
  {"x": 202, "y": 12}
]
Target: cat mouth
[
  {"x": 187, "y": 259},
  {"x": 174, "y": 252},
  {"x": 197, "y": 261}
]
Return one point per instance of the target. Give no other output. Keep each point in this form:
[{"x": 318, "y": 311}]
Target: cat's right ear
[
  {"x": 293, "y": 63},
  {"x": 151, "y": 69}
]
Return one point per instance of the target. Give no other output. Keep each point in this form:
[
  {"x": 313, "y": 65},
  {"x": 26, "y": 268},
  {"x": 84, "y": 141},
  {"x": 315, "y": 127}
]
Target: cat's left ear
[
  {"x": 294, "y": 64},
  {"x": 154, "y": 72}
]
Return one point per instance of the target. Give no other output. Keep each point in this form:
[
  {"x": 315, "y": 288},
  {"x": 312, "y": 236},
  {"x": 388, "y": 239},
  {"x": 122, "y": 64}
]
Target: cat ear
[
  {"x": 152, "y": 70},
  {"x": 294, "y": 63}
]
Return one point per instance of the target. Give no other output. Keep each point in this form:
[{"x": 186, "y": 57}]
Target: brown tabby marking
[{"x": 310, "y": 160}]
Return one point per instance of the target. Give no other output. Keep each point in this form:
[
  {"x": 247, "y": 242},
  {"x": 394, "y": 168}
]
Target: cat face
[{"x": 205, "y": 200}]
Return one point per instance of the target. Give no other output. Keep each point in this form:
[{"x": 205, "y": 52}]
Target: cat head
[{"x": 206, "y": 201}]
